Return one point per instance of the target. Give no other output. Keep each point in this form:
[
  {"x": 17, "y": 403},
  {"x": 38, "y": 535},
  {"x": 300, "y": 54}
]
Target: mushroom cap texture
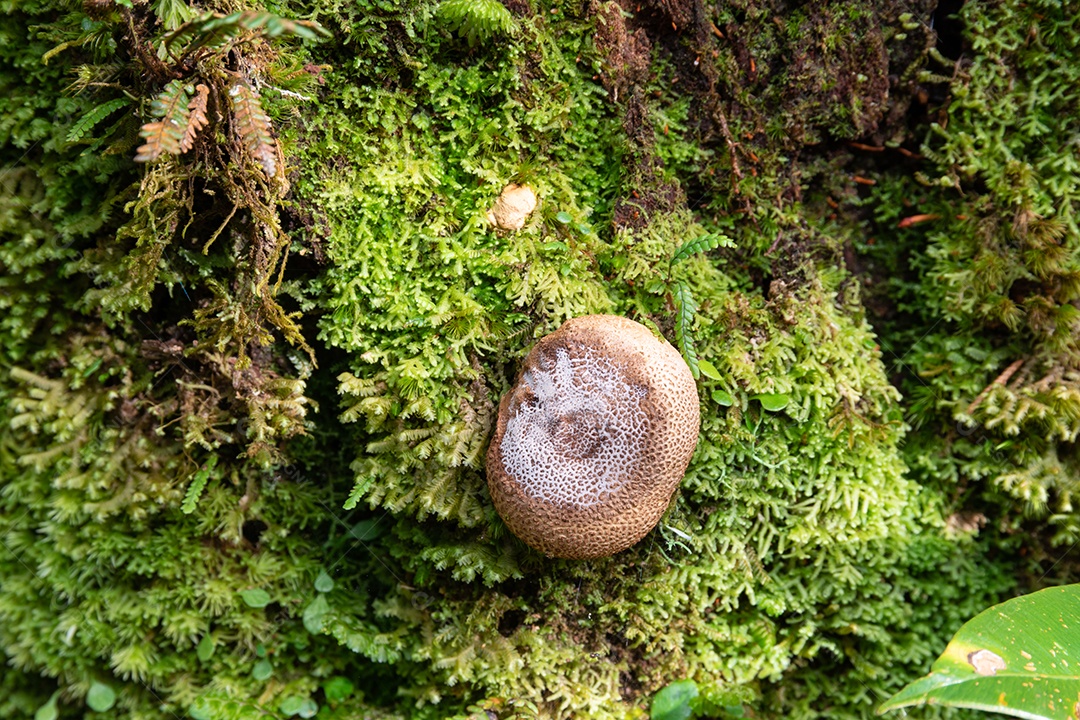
[
  {"x": 512, "y": 207},
  {"x": 593, "y": 438}
]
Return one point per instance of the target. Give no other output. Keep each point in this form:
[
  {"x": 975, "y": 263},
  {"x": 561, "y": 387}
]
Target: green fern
[
  {"x": 213, "y": 30},
  {"x": 172, "y": 13},
  {"x": 88, "y": 121},
  {"x": 198, "y": 484},
  {"x": 685, "y": 309},
  {"x": 477, "y": 20},
  {"x": 703, "y": 243}
]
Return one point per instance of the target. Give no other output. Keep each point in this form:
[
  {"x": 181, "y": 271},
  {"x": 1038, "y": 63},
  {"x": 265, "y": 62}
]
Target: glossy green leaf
[
  {"x": 101, "y": 697},
  {"x": 262, "y": 670},
  {"x": 255, "y": 597},
  {"x": 1019, "y": 658},
  {"x": 723, "y": 398},
  {"x": 291, "y": 705},
  {"x": 49, "y": 711},
  {"x": 773, "y": 402},
  {"x": 324, "y": 583},
  {"x": 673, "y": 702},
  {"x": 708, "y": 369},
  {"x": 205, "y": 649},
  {"x": 308, "y": 709},
  {"x": 564, "y": 217},
  {"x": 314, "y": 614}
]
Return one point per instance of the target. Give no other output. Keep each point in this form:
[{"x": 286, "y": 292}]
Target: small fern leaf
[
  {"x": 172, "y": 13},
  {"x": 213, "y": 30},
  {"x": 271, "y": 26},
  {"x": 253, "y": 126},
  {"x": 210, "y": 30},
  {"x": 196, "y": 117},
  {"x": 685, "y": 310},
  {"x": 165, "y": 135},
  {"x": 88, "y": 121},
  {"x": 184, "y": 34},
  {"x": 702, "y": 243},
  {"x": 198, "y": 484},
  {"x": 477, "y": 20}
]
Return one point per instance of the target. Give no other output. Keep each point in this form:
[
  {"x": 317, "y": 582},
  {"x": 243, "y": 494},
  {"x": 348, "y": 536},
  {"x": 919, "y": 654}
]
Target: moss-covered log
[{"x": 255, "y": 323}]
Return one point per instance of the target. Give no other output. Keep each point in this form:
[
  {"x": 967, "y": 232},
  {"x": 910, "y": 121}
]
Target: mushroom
[
  {"x": 593, "y": 438},
  {"x": 513, "y": 206}
]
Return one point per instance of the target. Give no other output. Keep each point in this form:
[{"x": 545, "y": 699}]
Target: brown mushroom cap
[{"x": 593, "y": 439}]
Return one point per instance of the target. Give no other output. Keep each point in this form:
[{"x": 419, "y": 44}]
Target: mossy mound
[{"x": 248, "y": 386}]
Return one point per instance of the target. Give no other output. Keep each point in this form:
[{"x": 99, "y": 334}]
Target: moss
[{"x": 889, "y": 416}]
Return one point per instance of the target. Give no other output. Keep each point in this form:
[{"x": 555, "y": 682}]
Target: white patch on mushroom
[
  {"x": 986, "y": 662},
  {"x": 512, "y": 207},
  {"x": 575, "y": 443}
]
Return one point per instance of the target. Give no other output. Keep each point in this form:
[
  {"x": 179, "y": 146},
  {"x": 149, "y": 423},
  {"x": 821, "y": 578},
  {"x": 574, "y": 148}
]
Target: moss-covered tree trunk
[{"x": 255, "y": 322}]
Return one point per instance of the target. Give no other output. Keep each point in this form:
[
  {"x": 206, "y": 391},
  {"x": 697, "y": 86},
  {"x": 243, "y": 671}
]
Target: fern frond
[
  {"x": 172, "y": 13},
  {"x": 477, "y": 20},
  {"x": 88, "y": 121},
  {"x": 198, "y": 484},
  {"x": 253, "y": 126},
  {"x": 196, "y": 118},
  {"x": 164, "y": 135},
  {"x": 213, "y": 30},
  {"x": 699, "y": 244},
  {"x": 269, "y": 25},
  {"x": 685, "y": 309}
]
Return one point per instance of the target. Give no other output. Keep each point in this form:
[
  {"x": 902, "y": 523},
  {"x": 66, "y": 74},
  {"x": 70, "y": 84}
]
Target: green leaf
[
  {"x": 673, "y": 702},
  {"x": 685, "y": 307},
  {"x": 291, "y": 705},
  {"x": 205, "y": 649},
  {"x": 324, "y": 583},
  {"x": 255, "y": 597},
  {"x": 49, "y": 711},
  {"x": 308, "y": 709},
  {"x": 1019, "y": 658},
  {"x": 200, "y": 710},
  {"x": 314, "y": 614},
  {"x": 87, "y": 122},
  {"x": 262, "y": 670},
  {"x": 564, "y": 217},
  {"x": 260, "y": 650},
  {"x": 213, "y": 30},
  {"x": 708, "y": 369},
  {"x": 101, "y": 697},
  {"x": 773, "y": 402},
  {"x": 702, "y": 243},
  {"x": 198, "y": 483},
  {"x": 337, "y": 689},
  {"x": 723, "y": 398}
]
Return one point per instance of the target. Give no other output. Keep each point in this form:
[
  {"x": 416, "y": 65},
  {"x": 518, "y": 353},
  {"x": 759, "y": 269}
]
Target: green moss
[{"x": 170, "y": 446}]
